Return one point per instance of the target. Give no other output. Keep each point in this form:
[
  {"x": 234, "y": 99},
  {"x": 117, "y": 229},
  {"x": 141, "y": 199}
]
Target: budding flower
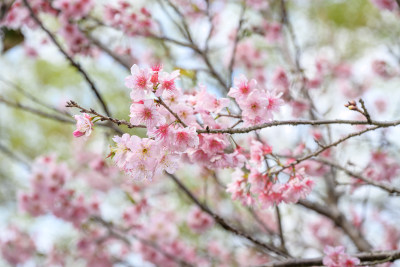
[
  {"x": 352, "y": 107},
  {"x": 84, "y": 125}
]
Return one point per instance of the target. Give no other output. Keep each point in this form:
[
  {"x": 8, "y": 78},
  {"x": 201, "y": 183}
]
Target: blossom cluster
[
  {"x": 124, "y": 17},
  {"x": 255, "y": 186},
  {"x": 48, "y": 193},
  {"x": 336, "y": 257},
  {"x": 172, "y": 119},
  {"x": 17, "y": 247},
  {"x": 257, "y": 105}
]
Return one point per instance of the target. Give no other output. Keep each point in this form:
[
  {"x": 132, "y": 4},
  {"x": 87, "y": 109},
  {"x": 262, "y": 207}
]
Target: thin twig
[
  {"x": 159, "y": 100},
  {"x": 72, "y": 104},
  {"x": 365, "y": 111},
  {"x": 301, "y": 122},
  {"x": 319, "y": 151},
  {"x": 35, "y": 111},
  {"x": 386, "y": 187},
  {"x": 32, "y": 97},
  {"x": 280, "y": 228}
]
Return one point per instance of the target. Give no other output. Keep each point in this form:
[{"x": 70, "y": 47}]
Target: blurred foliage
[
  {"x": 11, "y": 38},
  {"x": 347, "y": 14},
  {"x": 56, "y": 75}
]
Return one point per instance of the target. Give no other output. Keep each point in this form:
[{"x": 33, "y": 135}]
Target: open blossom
[
  {"x": 84, "y": 125},
  {"x": 139, "y": 82},
  {"x": 242, "y": 88},
  {"x": 336, "y": 257},
  {"x": 255, "y": 105},
  {"x": 169, "y": 161},
  {"x": 121, "y": 151},
  {"x": 162, "y": 134},
  {"x": 208, "y": 102},
  {"x": 185, "y": 138},
  {"x": 167, "y": 82},
  {"x": 145, "y": 112}
]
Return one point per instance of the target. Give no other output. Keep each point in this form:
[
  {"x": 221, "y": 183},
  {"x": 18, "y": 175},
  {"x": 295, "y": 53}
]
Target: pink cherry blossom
[
  {"x": 185, "y": 138},
  {"x": 146, "y": 113},
  {"x": 122, "y": 148},
  {"x": 208, "y": 102},
  {"x": 74, "y": 9},
  {"x": 199, "y": 221},
  {"x": 255, "y": 106},
  {"x": 17, "y": 247},
  {"x": 336, "y": 257},
  {"x": 167, "y": 82},
  {"x": 139, "y": 82},
  {"x": 242, "y": 88},
  {"x": 385, "y": 4},
  {"x": 169, "y": 161},
  {"x": 84, "y": 125}
]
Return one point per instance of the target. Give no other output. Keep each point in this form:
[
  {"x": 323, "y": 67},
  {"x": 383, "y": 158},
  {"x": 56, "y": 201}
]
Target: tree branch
[
  {"x": 117, "y": 233},
  {"x": 220, "y": 221},
  {"x": 322, "y": 149},
  {"x": 36, "y": 111},
  {"x": 300, "y": 122},
  {"x": 386, "y": 187},
  {"x": 365, "y": 258},
  {"x": 335, "y": 215},
  {"x": 72, "y": 104}
]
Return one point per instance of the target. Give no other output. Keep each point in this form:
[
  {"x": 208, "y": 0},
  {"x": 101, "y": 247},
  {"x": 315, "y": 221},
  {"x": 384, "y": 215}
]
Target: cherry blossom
[
  {"x": 199, "y": 221},
  {"x": 146, "y": 112},
  {"x": 84, "y": 125},
  {"x": 242, "y": 88},
  {"x": 336, "y": 257},
  {"x": 139, "y": 82}
]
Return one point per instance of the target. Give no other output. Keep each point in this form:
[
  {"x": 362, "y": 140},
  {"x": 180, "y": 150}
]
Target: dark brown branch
[
  {"x": 365, "y": 258},
  {"x": 281, "y": 236},
  {"x": 221, "y": 222},
  {"x": 365, "y": 111},
  {"x": 69, "y": 58},
  {"x": 339, "y": 220}
]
